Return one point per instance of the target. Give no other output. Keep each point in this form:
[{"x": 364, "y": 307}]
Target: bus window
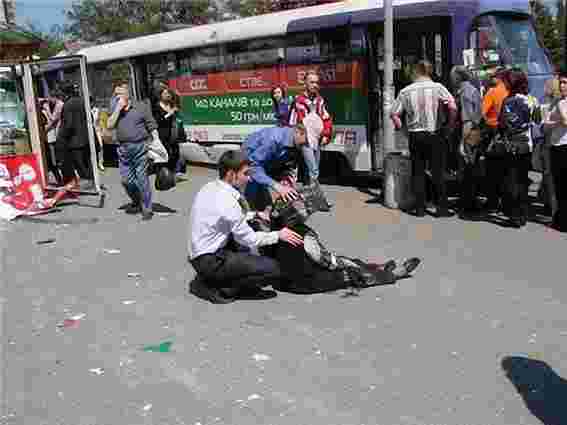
[
  {"x": 156, "y": 67},
  {"x": 252, "y": 54},
  {"x": 358, "y": 41},
  {"x": 206, "y": 59},
  {"x": 301, "y": 49},
  {"x": 487, "y": 43},
  {"x": 508, "y": 40},
  {"x": 334, "y": 44},
  {"x": 521, "y": 40},
  {"x": 184, "y": 60}
]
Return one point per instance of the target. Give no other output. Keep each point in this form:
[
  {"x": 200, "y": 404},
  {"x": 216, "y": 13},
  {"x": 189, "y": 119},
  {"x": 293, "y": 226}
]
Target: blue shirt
[{"x": 266, "y": 147}]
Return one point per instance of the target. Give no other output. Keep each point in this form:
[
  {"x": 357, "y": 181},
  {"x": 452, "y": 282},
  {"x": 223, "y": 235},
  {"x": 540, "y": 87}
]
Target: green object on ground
[{"x": 164, "y": 347}]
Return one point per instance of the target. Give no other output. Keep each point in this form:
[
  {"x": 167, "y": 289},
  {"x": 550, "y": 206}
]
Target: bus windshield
[{"x": 520, "y": 42}]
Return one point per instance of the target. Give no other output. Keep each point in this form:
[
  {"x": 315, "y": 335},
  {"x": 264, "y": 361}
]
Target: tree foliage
[
  {"x": 551, "y": 28},
  {"x": 55, "y": 38},
  {"x": 113, "y": 20}
]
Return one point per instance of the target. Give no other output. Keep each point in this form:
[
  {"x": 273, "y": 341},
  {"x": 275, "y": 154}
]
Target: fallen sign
[{"x": 21, "y": 193}]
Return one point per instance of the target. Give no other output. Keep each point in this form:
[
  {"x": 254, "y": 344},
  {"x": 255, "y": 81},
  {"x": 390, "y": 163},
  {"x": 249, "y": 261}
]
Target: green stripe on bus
[{"x": 347, "y": 106}]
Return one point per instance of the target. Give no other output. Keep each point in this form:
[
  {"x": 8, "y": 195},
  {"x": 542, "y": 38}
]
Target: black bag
[{"x": 165, "y": 179}]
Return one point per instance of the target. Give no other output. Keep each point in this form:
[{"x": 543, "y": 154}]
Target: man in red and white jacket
[{"x": 309, "y": 108}]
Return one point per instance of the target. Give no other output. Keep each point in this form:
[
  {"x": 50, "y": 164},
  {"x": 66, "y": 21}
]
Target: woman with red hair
[{"x": 515, "y": 123}]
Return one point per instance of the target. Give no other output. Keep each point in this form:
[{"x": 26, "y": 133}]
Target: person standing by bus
[
  {"x": 135, "y": 126},
  {"x": 422, "y": 102},
  {"x": 491, "y": 107},
  {"x": 72, "y": 143},
  {"x": 52, "y": 110},
  {"x": 309, "y": 108},
  {"x": 280, "y": 105},
  {"x": 170, "y": 129},
  {"x": 556, "y": 126},
  {"x": 469, "y": 117}
]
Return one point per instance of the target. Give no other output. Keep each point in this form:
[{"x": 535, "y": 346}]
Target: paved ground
[{"x": 429, "y": 351}]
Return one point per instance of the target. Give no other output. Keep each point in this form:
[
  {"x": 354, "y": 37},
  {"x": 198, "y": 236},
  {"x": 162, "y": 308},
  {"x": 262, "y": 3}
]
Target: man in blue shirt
[{"x": 273, "y": 154}]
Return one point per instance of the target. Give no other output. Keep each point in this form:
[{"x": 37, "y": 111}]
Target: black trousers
[
  {"x": 424, "y": 147},
  {"x": 559, "y": 172},
  {"x": 494, "y": 181},
  {"x": 470, "y": 185},
  {"x": 237, "y": 270},
  {"x": 52, "y": 162},
  {"x": 516, "y": 184},
  {"x": 79, "y": 160}
]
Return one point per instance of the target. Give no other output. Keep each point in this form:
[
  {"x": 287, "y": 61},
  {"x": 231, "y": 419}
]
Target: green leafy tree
[
  {"x": 550, "y": 28},
  {"x": 55, "y": 38},
  {"x": 113, "y": 20}
]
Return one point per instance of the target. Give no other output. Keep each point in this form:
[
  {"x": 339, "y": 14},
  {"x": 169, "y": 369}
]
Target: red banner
[
  {"x": 21, "y": 192},
  {"x": 336, "y": 75}
]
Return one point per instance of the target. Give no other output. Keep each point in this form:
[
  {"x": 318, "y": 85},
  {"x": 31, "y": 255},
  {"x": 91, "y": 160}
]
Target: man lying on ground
[{"x": 311, "y": 267}]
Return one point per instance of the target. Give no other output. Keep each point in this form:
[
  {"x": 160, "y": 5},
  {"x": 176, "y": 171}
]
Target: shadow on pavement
[
  {"x": 156, "y": 207},
  {"x": 542, "y": 389}
]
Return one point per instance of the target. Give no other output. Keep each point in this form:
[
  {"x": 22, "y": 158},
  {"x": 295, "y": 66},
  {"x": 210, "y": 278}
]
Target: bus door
[{"x": 414, "y": 40}]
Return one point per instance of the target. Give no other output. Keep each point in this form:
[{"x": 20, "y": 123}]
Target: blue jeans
[
  {"x": 312, "y": 157},
  {"x": 133, "y": 166}
]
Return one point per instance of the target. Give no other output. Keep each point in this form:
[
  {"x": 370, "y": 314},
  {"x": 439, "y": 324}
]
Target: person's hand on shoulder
[{"x": 291, "y": 237}]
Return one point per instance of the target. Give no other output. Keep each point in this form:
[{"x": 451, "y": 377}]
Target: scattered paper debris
[
  {"x": 147, "y": 407},
  {"x": 112, "y": 251},
  {"x": 45, "y": 242},
  {"x": 78, "y": 316},
  {"x": 68, "y": 323},
  {"x": 164, "y": 347},
  {"x": 97, "y": 371},
  {"x": 261, "y": 357},
  {"x": 135, "y": 275},
  {"x": 254, "y": 397},
  {"x": 128, "y": 302}
]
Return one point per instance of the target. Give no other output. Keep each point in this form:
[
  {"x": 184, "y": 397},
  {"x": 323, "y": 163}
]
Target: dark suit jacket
[{"x": 73, "y": 133}]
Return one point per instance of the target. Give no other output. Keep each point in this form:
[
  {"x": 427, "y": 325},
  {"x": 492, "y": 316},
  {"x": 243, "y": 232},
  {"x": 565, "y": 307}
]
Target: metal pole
[
  {"x": 390, "y": 182},
  {"x": 388, "y": 90}
]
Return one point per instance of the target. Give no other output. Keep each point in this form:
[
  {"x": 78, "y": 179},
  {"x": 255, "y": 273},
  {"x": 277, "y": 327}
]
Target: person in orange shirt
[{"x": 491, "y": 106}]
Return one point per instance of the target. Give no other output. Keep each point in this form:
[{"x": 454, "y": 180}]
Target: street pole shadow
[{"x": 541, "y": 388}]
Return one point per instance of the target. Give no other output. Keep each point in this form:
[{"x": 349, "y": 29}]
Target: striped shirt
[{"x": 420, "y": 101}]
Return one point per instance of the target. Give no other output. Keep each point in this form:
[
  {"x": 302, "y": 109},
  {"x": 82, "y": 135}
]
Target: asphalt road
[{"x": 477, "y": 337}]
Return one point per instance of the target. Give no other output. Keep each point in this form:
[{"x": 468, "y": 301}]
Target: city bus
[{"x": 223, "y": 72}]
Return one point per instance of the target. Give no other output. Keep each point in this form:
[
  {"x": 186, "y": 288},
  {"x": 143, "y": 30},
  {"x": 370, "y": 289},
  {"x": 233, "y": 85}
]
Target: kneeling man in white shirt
[{"x": 219, "y": 231}]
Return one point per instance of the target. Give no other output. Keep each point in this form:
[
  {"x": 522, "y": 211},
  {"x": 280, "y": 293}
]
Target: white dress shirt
[{"x": 215, "y": 215}]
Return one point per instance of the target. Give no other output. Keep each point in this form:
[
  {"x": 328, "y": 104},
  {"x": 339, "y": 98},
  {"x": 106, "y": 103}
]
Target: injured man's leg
[{"x": 312, "y": 268}]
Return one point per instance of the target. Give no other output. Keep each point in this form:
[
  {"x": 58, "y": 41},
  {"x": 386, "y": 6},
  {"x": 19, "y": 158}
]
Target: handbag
[
  {"x": 165, "y": 179},
  {"x": 474, "y": 137},
  {"x": 498, "y": 147},
  {"x": 157, "y": 151}
]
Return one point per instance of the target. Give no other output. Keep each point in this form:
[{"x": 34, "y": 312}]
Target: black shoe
[
  {"x": 443, "y": 213},
  {"x": 415, "y": 212},
  {"x": 407, "y": 268},
  {"x": 200, "y": 289},
  {"x": 390, "y": 266},
  {"x": 133, "y": 209},
  {"x": 470, "y": 215},
  {"x": 518, "y": 222},
  {"x": 147, "y": 215},
  {"x": 491, "y": 207}
]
